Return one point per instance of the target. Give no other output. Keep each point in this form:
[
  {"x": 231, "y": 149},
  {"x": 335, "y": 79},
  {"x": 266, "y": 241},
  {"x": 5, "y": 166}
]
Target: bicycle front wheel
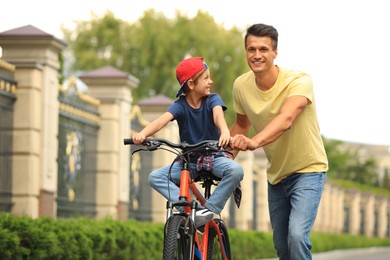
[
  {"x": 178, "y": 238},
  {"x": 215, "y": 246}
]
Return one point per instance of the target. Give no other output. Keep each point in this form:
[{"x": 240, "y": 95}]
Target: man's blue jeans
[
  {"x": 293, "y": 205},
  {"x": 227, "y": 169}
]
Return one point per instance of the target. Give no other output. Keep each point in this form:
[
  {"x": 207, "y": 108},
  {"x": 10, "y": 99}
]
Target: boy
[{"x": 199, "y": 114}]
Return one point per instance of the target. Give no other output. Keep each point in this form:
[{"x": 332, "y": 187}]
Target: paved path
[{"x": 372, "y": 253}]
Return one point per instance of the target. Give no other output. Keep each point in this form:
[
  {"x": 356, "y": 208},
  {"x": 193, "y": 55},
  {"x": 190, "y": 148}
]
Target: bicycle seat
[{"x": 206, "y": 175}]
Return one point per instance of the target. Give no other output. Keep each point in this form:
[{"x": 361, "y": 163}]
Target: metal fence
[
  {"x": 7, "y": 99},
  {"x": 77, "y": 140}
]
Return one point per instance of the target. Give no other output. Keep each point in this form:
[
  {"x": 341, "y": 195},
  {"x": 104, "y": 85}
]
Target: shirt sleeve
[
  {"x": 302, "y": 86},
  {"x": 176, "y": 110},
  {"x": 216, "y": 100}
]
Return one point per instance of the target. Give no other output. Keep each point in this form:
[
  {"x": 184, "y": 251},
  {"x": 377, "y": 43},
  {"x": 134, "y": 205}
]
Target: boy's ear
[{"x": 190, "y": 84}]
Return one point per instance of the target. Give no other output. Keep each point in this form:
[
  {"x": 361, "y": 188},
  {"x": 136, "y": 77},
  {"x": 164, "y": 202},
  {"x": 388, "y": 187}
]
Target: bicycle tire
[
  {"x": 178, "y": 238},
  {"x": 214, "y": 251}
]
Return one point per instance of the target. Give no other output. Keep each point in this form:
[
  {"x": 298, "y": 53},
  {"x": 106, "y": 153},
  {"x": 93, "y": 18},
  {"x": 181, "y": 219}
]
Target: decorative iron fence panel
[
  {"x": 77, "y": 139},
  {"x": 7, "y": 99}
]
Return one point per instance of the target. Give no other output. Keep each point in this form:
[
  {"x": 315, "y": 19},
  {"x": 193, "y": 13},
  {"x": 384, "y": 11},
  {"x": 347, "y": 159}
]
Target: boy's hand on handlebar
[
  {"x": 138, "y": 138},
  {"x": 224, "y": 140}
]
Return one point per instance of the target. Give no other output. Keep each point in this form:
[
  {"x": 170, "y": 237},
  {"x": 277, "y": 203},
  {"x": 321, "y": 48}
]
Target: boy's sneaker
[{"x": 203, "y": 216}]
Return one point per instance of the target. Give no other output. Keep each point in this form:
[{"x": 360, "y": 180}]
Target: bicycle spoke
[{"x": 214, "y": 251}]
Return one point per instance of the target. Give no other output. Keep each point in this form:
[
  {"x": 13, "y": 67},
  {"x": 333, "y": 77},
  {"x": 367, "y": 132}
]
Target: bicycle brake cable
[
  {"x": 177, "y": 153},
  {"x": 138, "y": 150}
]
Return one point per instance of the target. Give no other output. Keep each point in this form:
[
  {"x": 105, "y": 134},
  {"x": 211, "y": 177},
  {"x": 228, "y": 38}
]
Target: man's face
[{"x": 260, "y": 54}]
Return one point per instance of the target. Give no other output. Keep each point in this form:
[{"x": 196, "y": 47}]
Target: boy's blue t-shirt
[{"x": 196, "y": 125}]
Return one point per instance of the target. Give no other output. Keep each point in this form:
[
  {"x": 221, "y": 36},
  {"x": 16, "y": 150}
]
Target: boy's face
[{"x": 202, "y": 84}]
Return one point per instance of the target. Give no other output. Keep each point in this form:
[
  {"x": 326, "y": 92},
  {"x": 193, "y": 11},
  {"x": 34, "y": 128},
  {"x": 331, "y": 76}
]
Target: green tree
[
  {"x": 99, "y": 42},
  {"x": 366, "y": 172},
  {"x": 346, "y": 163},
  {"x": 338, "y": 160},
  {"x": 151, "y": 48},
  {"x": 386, "y": 179}
]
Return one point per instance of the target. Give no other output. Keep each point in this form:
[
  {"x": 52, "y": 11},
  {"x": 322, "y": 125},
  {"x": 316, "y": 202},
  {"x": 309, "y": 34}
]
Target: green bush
[
  {"x": 83, "y": 238},
  {"x": 26, "y": 238},
  {"x": 251, "y": 244},
  {"x": 325, "y": 242},
  {"x": 9, "y": 241}
]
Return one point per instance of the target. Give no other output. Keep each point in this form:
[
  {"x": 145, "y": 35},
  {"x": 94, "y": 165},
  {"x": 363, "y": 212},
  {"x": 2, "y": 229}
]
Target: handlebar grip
[{"x": 128, "y": 141}]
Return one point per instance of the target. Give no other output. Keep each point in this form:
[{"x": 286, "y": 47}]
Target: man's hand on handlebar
[{"x": 242, "y": 143}]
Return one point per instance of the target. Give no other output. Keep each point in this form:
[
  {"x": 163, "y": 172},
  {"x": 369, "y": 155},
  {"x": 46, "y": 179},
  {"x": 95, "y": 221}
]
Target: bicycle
[{"x": 182, "y": 240}]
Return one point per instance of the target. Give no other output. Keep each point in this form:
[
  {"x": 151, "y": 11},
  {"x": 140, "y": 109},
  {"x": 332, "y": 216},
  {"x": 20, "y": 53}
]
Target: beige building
[{"x": 62, "y": 152}]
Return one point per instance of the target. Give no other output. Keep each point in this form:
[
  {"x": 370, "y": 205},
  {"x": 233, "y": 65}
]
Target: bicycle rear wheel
[
  {"x": 214, "y": 247},
  {"x": 178, "y": 238}
]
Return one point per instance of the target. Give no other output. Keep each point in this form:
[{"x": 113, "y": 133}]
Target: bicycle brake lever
[
  {"x": 213, "y": 146},
  {"x": 151, "y": 146}
]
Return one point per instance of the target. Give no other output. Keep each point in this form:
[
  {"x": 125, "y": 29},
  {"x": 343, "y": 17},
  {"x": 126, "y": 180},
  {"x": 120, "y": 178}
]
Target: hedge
[{"x": 22, "y": 237}]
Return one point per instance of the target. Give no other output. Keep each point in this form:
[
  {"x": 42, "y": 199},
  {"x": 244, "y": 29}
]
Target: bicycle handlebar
[{"x": 155, "y": 143}]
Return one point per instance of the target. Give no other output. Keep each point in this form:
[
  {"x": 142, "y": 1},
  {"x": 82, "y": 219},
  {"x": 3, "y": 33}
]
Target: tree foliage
[
  {"x": 345, "y": 162},
  {"x": 386, "y": 179},
  {"x": 151, "y": 48}
]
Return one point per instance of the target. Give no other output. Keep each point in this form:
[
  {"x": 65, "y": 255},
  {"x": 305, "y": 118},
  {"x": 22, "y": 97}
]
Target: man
[{"x": 280, "y": 105}]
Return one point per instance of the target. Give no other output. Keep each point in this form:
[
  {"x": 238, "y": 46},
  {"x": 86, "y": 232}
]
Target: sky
[{"x": 343, "y": 44}]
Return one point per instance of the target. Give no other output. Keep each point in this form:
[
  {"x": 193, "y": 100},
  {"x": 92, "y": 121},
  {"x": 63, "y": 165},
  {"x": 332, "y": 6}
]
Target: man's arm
[{"x": 289, "y": 112}]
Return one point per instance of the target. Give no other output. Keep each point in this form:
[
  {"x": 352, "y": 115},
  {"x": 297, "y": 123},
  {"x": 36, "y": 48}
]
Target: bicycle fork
[{"x": 188, "y": 205}]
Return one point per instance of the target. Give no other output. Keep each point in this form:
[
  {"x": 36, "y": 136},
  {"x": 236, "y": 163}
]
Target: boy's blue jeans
[
  {"x": 293, "y": 205},
  {"x": 227, "y": 169}
]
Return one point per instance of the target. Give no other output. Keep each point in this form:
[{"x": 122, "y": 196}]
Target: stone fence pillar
[
  {"x": 382, "y": 204},
  {"x": 151, "y": 109},
  {"x": 353, "y": 200},
  {"x": 35, "y": 55},
  {"x": 244, "y": 215},
  {"x": 113, "y": 88}
]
